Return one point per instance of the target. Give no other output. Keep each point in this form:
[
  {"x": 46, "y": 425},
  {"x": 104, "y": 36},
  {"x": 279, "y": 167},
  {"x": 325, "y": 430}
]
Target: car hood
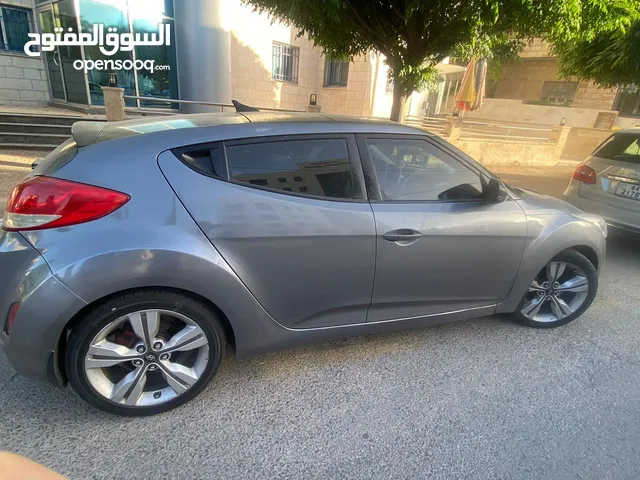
[{"x": 539, "y": 204}]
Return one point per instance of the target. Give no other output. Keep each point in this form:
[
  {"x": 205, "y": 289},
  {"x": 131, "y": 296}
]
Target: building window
[
  {"x": 628, "y": 101},
  {"x": 336, "y": 73},
  {"x": 559, "y": 92},
  {"x": 15, "y": 24},
  {"x": 285, "y": 63},
  {"x": 388, "y": 88}
]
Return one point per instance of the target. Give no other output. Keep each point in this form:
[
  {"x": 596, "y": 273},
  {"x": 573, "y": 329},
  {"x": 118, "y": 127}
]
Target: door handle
[{"x": 402, "y": 235}]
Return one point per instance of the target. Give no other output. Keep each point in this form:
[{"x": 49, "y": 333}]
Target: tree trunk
[{"x": 399, "y": 102}]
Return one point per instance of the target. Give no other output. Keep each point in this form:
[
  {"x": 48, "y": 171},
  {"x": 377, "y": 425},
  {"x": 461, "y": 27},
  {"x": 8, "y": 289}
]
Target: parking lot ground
[{"x": 473, "y": 400}]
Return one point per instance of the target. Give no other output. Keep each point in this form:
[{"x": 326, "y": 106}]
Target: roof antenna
[{"x": 240, "y": 107}]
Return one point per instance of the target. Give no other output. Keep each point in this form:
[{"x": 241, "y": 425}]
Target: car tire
[
  {"x": 168, "y": 302},
  {"x": 571, "y": 259}
]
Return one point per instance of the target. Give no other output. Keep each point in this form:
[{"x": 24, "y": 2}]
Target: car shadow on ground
[
  {"x": 22, "y": 397},
  {"x": 622, "y": 246},
  {"x": 40, "y": 400}
]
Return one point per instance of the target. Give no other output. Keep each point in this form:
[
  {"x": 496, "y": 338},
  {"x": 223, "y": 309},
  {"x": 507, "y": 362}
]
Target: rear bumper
[
  {"x": 614, "y": 216},
  {"x": 46, "y": 305}
]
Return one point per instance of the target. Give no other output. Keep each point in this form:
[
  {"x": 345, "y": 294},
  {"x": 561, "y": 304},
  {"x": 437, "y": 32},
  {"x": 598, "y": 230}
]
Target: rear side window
[
  {"x": 206, "y": 159},
  {"x": 318, "y": 167},
  {"x": 624, "y": 147}
]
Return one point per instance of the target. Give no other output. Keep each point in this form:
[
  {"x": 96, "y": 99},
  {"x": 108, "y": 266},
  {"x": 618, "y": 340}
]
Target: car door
[
  {"x": 440, "y": 247},
  {"x": 291, "y": 218}
]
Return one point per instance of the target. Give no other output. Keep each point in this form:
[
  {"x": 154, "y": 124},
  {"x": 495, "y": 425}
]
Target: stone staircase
[{"x": 32, "y": 131}]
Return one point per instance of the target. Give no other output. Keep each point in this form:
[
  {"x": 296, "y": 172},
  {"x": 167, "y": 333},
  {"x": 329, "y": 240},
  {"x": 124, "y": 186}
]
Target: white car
[{"x": 608, "y": 182}]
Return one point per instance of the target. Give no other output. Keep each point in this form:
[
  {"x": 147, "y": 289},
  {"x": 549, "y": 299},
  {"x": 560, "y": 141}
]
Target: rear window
[
  {"x": 624, "y": 147},
  {"x": 56, "y": 159}
]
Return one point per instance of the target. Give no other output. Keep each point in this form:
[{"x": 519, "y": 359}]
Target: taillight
[
  {"x": 11, "y": 316},
  {"x": 585, "y": 174},
  {"x": 46, "y": 202}
]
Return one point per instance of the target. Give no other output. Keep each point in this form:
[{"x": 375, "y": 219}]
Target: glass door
[
  {"x": 52, "y": 59},
  {"x": 67, "y": 83},
  {"x": 75, "y": 83}
]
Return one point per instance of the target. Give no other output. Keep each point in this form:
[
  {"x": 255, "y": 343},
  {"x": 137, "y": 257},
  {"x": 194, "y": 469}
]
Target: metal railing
[
  {"x": 224, "y": 107},
  {"x": 484, "y": 130}
]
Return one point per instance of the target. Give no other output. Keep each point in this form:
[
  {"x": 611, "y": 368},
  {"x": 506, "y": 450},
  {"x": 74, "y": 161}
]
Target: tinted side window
[
  {"x": 414, "y": 170},
  {"x": 317, "y": 167},
  {"x": 204, "y": 159}
]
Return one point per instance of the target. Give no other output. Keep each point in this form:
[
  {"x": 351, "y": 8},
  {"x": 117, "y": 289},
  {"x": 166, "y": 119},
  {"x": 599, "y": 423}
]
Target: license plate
[{"x": 628, "y": 190}]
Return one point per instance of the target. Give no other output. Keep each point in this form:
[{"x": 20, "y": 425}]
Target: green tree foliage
[
  {"x": 610, "y": 58},
  {"x": 415, "y": 35}
]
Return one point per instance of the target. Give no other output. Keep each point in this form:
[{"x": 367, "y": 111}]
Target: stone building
[
  {"x": 220, "y": 50},
  {"x": 535, "y": 80}
]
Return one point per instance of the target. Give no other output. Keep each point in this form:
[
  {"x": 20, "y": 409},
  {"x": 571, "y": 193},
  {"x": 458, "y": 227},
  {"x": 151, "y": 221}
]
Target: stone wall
[
  {"x": 590, "y": 96},
  {"x": 252, "y": 37},
  {"x": 582, "y": 142},
  {"x": 537, "y": 48},
  {"x": 561, "y": 144},
  {"x": 626, "y": 122},
  {"x": 495, "y": 152},
  {"x": 23, "y": 80},
  {"x": 524, "y": 80},
  {"x": 506, "y": 110},
  {"x": 355, "y": 98}
]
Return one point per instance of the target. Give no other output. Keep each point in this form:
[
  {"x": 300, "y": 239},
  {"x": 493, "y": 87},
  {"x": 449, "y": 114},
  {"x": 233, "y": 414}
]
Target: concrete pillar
[
  {"x": 203, "y": 44},
  {"x": 452, "y": 130},
  {"x": 560, "y": 136},
  {"x": 441, "y": 86},
  {"x": 114, "y": 103}
]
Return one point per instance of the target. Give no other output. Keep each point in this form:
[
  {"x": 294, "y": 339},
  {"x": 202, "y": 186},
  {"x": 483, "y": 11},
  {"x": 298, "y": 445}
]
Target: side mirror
[{"x": 493, "y": 192}]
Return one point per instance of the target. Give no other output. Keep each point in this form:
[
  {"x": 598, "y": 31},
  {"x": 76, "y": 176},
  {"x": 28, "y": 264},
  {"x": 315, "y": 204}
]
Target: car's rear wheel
[
  {"x": 560, "y": 293},
  {"x": 144, "y": 352}
]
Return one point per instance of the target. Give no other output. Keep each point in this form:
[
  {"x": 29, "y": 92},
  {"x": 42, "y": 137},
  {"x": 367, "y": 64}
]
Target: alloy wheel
[
  {"x": 146, "y": 358},
  {"x": 558, "y": 291}
]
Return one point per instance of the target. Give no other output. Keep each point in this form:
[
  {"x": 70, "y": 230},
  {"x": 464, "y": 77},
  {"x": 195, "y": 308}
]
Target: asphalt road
[{"x": 475, "y": 400}]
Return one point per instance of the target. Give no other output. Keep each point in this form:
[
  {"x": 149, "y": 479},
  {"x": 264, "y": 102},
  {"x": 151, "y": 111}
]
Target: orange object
[
  {"x": 467, "y": 94},
  {"x": 16, "y": 467}
]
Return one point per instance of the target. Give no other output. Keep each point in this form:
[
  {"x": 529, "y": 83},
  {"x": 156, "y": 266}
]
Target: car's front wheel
[
  {"x": 560, "y": 293},
  {"x": 144, "y": 352}
]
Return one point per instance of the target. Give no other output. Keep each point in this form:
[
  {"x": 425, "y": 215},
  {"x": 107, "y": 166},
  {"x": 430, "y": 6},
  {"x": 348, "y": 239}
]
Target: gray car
[
  {"x": 608, "y": 182},
  {"x": 137, "y": 251}
]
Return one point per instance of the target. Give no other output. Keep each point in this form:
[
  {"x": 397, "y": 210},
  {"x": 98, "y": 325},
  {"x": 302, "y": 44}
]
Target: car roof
[
  {"x": 635, "y": 130},
  {"x": 87, "y": 133}
]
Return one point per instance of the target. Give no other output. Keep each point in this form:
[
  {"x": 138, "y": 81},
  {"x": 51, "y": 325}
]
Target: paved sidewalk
[{"x": 14, "y": 165}]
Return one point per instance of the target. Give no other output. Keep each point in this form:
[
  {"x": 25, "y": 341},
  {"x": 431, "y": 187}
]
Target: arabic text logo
[{"x": 109, "y": 44}]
